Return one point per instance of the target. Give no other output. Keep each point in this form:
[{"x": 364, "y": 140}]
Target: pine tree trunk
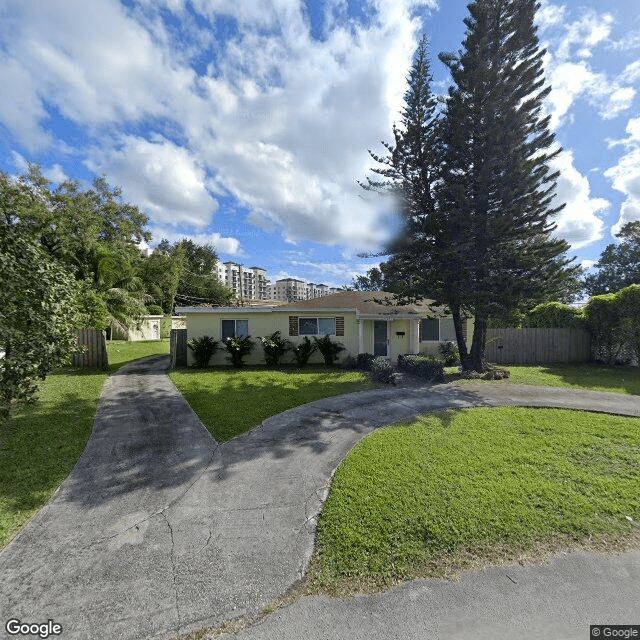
[
  {"x": 462, "y": 345},
  {"x": 478, "y": 343}
]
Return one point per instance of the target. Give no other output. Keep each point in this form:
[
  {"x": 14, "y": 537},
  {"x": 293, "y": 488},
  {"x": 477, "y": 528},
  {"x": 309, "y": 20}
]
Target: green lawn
[
  {"x": 41, "y": 442},
  {"x": 470, "y": 487},
  {"x": 121, "y": 352},
  {"x": 230, "y": 402},
  {"x": 578, "y": 376}
]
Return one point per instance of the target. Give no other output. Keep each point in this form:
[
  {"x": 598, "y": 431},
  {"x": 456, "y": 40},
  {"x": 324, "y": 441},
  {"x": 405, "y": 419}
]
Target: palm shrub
[
  {"x": 238, "y": 348},
  {"x": 303, "y": 352},
  {"x": 274, "y": 346},
  {"x": 203, "y": 349},
  {"x": 328, "y": 349}
]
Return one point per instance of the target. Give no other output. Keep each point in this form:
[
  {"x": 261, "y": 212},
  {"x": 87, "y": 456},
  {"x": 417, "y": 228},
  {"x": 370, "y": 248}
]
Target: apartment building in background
[
  {"x": 252, "y": 283},
  {"x": 293, "y": 290},
  {"x": 247, "y": 283}
]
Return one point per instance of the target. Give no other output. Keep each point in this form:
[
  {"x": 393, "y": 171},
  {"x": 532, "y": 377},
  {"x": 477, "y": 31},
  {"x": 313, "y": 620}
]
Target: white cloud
[
  {"x": 570, "y": 71},
  {"x": 587, "y": 32},
  {"x": 550, "y": 15},
  {"x": 282, "y": 120},
  {"x": 631, "y": 72},
  {"x": 164, "y": 180},
  {"x": 625, "y": 176},
  {"x": 578, "y": 223},
  {"x": 572, "y": 80}
]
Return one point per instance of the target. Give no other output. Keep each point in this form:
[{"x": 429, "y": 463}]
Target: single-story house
[{"x": 362, "y": 321}]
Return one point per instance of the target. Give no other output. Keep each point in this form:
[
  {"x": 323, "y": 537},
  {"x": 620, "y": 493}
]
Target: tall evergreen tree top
[{"x": 498, "y": 146}]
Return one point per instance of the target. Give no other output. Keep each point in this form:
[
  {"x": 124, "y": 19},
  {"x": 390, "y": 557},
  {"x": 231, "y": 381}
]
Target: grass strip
[
  {"x": 230, "y": 402},
  {"x": 42, "y": 441},
  {"x": 575, "y": 376},
  {"x": 462, "y": 488}
]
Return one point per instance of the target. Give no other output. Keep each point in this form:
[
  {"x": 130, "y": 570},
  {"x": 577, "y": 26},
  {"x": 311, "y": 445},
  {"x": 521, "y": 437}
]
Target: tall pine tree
[
  {"x": 478, "y": 196},
  {"x": 409, "y": 173},
  {"x": 497, "y": 187}
]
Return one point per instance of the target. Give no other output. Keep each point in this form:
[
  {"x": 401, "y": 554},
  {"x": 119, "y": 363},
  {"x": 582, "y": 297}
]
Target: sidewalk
[{"x": 159, "y": 530}]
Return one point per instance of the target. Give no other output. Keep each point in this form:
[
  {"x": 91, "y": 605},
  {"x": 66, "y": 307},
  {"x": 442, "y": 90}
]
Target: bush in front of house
[
  {"x": 303, "y": 352},
  {"x": 422, "y": 367},
  {"x": 203, "y": 349},
  {"x": 328, "y": 349},
  {"x": 380, "y": 370},
  {"x": 238, "y": 348},
  {"x": 274, "y": 347},
  {"x": 449, "y": 352},
  {"x": 364, "y": 361}
]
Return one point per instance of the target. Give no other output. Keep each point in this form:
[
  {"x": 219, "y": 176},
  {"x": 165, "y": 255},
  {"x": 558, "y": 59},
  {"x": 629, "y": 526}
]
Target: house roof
[{"x": 366, "y": 303}]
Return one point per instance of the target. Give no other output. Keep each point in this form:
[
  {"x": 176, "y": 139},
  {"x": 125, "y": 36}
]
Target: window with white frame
[
  {"x": 317, "y": 326},
  {"x": 237, "y": 328}
]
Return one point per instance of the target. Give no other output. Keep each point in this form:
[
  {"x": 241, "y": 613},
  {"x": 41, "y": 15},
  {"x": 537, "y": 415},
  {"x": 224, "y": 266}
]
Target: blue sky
[{"x": 246, "y": 123}]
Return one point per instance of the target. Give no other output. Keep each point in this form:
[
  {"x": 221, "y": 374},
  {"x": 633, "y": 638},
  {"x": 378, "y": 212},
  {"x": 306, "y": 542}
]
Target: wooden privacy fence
[
  {"x": 537, "y": 346},
  {"x": 178, "y": 348},
  {"x": 95, "y": 352}
]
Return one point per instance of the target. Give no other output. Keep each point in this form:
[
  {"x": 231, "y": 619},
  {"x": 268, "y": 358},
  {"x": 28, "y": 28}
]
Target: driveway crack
[{"x": 173, "y": 567}]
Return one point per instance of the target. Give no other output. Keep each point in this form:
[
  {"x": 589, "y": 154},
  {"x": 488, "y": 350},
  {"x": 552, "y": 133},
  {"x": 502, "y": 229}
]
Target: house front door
[{"x": 380, "y": 341}]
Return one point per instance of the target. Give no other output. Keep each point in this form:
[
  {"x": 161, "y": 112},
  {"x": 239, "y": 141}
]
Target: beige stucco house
[{"x": 362, "y": 321}]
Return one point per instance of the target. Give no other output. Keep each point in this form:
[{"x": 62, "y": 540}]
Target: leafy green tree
[
  {"x": 160, "y": 274},
  {"x": 372, "y": 281},
  {"x": 198, "y": 283},
  {"x": 619, "y": 264},
  {"x": 92, "y": 233},
  {"x": 36, "y": 316},
  {"x": 554, "y": 315}
]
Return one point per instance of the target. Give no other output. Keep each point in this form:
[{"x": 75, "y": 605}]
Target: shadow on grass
[
  {"x": 231, "y": 401},
  {"x": 597, "y": 376},
  {"x": 594, "y": 377},
  {"x": 39, "y": 446},
  {"x": 147, "y": 441}
]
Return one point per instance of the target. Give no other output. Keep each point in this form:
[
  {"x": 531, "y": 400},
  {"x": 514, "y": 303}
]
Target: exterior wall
[
  {"x": 263, "y": 324},
  {"x": 178, "y": 322},
  {"x": 149, "y": 329},
  {"x": 447, "y": 334},
  {"x": 399, "y": 344}
]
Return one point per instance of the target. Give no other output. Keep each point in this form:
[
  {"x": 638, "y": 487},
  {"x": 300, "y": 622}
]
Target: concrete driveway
[{"x": 158, "y": 530}]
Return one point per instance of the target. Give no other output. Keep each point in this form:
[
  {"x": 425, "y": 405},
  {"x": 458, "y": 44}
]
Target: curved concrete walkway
[{"x": 159, "y": 530}]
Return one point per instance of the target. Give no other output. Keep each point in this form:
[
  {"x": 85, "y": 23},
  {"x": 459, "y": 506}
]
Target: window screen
[
  {"x": 327, "y": 326},
  {"x": 308, "y": 326},
  {"x": 238, "y": 328},
  {"x": 429, "y": 329},
  {"x": 317, "y": 326},
  {"x": 447, "y": 329}
]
